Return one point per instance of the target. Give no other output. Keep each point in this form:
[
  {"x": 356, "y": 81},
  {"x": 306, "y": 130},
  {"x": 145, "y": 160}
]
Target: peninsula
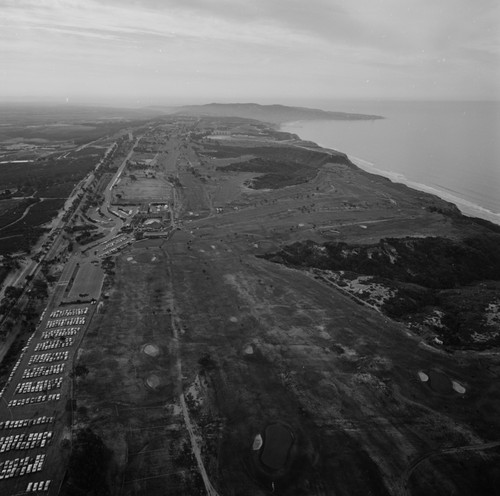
[{"x": 275, "y": 114}]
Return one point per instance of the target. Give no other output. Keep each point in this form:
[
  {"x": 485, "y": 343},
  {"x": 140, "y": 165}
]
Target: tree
[
  {"x": 40, "y": 288},
  {"x": 12, "y": 293},
  {"x": 80, "y": 371},
  {"x": 88, "y": 465}
]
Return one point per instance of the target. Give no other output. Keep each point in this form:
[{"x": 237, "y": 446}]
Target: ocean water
[{"x": 451, "y": 149}]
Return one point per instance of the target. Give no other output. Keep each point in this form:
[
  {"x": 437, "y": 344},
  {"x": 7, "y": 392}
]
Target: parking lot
[
  {"x": 24, "y": 441},
  {"x": 113, "y": 245},
  {"x": 34, "y": 417},
  {"x": 43, "y": 371}
]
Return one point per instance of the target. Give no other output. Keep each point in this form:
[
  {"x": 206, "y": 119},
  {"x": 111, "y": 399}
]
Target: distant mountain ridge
[{"x": 275, "y": 114}]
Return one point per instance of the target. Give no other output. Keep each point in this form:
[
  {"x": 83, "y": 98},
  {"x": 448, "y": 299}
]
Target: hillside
[{"x": 275, "y": 114}]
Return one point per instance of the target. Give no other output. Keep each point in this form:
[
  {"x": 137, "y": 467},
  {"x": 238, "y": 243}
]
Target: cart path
[{"x": 432, "y": 454}]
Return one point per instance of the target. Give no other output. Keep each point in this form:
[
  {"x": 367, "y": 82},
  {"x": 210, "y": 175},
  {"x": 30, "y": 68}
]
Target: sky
[{"x": 268, "y": 51}]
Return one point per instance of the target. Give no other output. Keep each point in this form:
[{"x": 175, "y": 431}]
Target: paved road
[{"x": 106, "y": 206}]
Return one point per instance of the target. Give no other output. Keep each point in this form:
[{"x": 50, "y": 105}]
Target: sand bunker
[
  {"x": 458, "y": 387},
  {"x": 423, "y": 376},
  {"x": 248, "y": 350},
  {"x": 440, "y": 382},
  {"x": 257, "y": 442},
  {"x": 233, "y": 319},
  {"x": 151, "y": 350}
]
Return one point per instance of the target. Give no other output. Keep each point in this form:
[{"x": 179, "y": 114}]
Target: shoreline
[{"x": 466, "y": 207}]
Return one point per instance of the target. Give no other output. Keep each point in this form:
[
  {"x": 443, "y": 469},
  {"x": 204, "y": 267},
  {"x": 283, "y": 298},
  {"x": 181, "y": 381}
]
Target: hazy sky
[{"x": 177, "y": 51}]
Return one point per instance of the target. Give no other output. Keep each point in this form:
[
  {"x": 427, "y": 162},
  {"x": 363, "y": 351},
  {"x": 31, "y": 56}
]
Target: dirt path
[
  {"x": 25, "y": 213},
  {"x": 404, "y": 491}
]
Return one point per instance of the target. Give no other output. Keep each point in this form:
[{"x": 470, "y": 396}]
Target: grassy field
[
  {"x": 141, "y": 190},
  {"x": 270, "y": 344},
  {"x": 245, "y": 342},
  {"x": 86, "y": 284},
  {"x": 343, "y": 377},
  {"x": 193, "y": 196},
  {"x": 141, "y": 424}
]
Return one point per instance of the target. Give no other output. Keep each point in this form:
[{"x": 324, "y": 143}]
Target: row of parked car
[
  {"x": 58, "y": 333},
  {"x": 21, "y": 466},
  {"x": 35, "y": 399},
  {"x": 69, "y": 321},
  {"x": 57, "y": 356},
  {"x": 38, "y": 386},
  {"x": 115, "y": 246},
  {"x": 68, "y": 312},
  {"x": 25, "y": 441},
  {"x": 16, "y": 366},
  {"x": 51, "y": 345},
  {"x": 43, "y": 371},
  {"x": 38, "y": 486},
  {"x": 21, "y": 423}
]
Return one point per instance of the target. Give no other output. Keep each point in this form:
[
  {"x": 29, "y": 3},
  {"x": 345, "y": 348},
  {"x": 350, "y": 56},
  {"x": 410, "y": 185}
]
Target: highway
[{"x": 16, "y": 278}]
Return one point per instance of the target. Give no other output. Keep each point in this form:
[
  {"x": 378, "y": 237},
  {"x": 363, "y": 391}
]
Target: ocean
[{"x": 451, "y": 149}]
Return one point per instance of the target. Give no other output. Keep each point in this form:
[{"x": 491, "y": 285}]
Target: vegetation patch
[
  {"x": 283, "y": 166},
  {"x": 88, "y": 466},
  {"x": 275, "y": 174},
  {"x": 12, "y": 210},
  {"x": 447, "y": 290},
  {"x": 24, "y": 233}
]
